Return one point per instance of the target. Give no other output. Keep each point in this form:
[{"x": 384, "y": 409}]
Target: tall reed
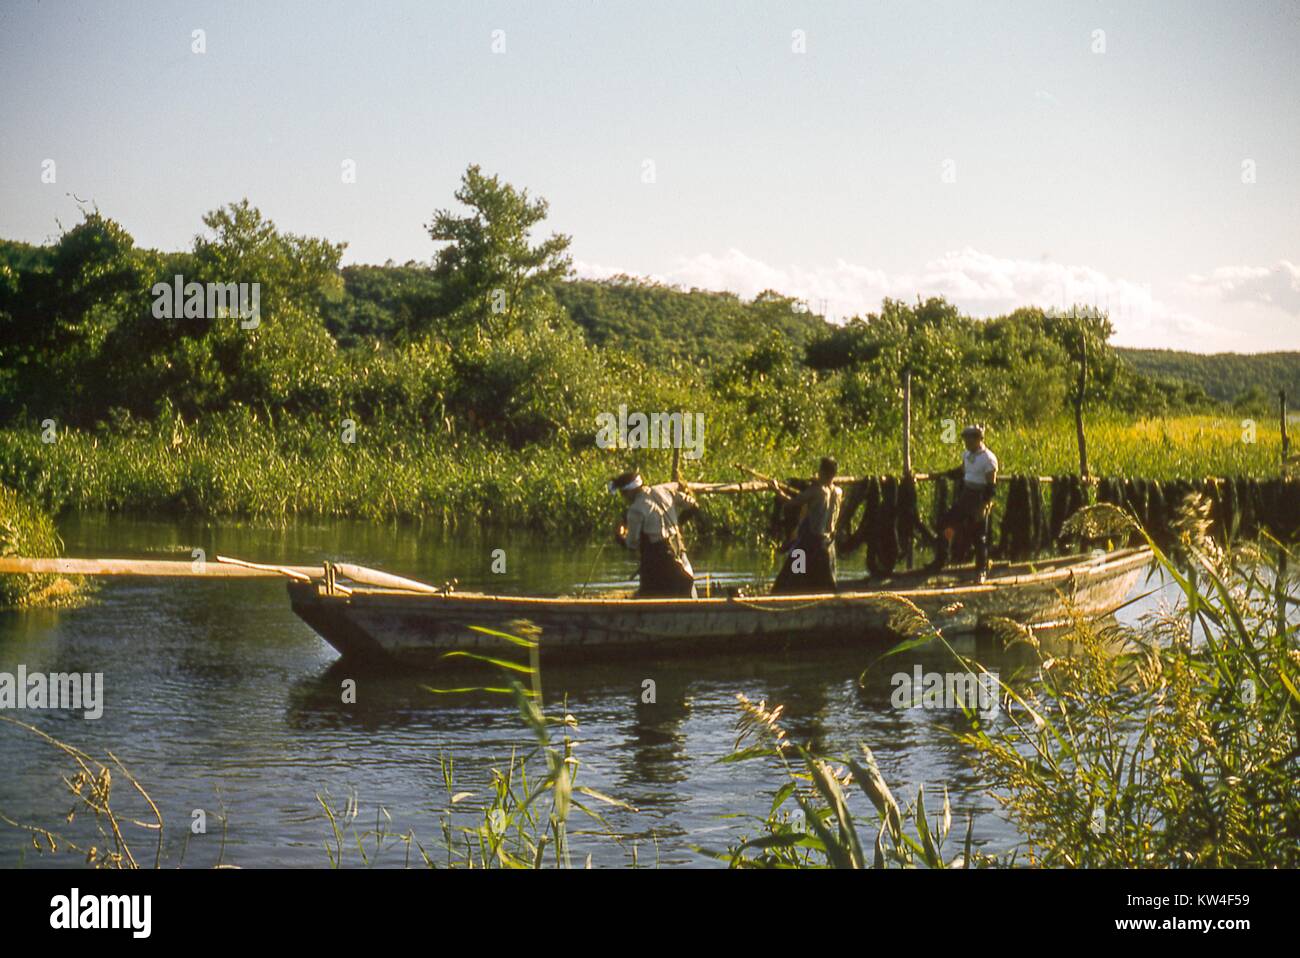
[
  {"x": 810, "y": 823},
  {"x": 1172, "y": 744},
  {"x": 240, "y": 464},
  {"x": 106, "y": 840}
]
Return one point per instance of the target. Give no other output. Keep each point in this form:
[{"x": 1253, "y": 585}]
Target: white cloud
[
  {"x": 979, "y": 283},
  {"x": 1277, "y": 285}
]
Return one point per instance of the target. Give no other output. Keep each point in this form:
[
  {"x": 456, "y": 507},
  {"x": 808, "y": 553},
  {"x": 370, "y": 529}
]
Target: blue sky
[{"x": 997, "y": 153}]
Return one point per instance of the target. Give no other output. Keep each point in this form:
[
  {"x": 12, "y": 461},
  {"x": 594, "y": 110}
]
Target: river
[{"x": 217, "y": 697}]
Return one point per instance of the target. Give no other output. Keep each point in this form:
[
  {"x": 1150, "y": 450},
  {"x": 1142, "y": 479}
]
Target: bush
[{"x": 532, "y": 386}]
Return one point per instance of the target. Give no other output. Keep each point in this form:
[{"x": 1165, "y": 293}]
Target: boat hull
[{"x": 378, "y": 625}]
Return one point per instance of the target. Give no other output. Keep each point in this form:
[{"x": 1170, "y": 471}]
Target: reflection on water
[{"x": 218, "y": 697}]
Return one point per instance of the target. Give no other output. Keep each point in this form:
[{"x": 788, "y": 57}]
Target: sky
[{"x": 1140, "y": 157}]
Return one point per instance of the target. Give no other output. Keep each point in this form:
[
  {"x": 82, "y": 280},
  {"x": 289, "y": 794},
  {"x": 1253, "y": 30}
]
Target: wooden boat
[{"x": 412, "y": 621}]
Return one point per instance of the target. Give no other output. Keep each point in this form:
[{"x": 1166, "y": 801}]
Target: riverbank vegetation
[
  {"x": 26, "y": 530},
  {"x": 1183, "y": 750},
  {"x": 1172, "y": 745},
  {"x": 466, "y": 389},
  {"x": 239, "y": 464}
]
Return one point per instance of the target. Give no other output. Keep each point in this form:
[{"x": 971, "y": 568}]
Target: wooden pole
[
  {"x": 907, "y": 421},
  {"x": 1286, "y": 441},
  {"x": 274, "y": 569},
  {"x": 764, "y": 483},
  {"x": 1079, "y": 395},
  {"x": 907, "y": 452},
  {"x": 18, "y": 565},
  {"x": 384, "y": 580},
  {"x": 224, "y": 568}
]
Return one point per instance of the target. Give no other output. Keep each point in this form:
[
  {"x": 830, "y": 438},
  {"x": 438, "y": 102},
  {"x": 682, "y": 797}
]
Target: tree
[
  {"x": 200, "y": 364},
  {"x": 492, "y": 278},
  {"x": 245, "y": 247},
  {"x": 56, "y": 310},
  {"x": 777, "y": 397}
]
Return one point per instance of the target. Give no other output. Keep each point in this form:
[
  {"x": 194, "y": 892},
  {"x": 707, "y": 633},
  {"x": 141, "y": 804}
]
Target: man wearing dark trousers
[
  {"x": 810, "y": 559},
  {"x": 653, "y": 532},
  {"x": 978, "y": 473}
]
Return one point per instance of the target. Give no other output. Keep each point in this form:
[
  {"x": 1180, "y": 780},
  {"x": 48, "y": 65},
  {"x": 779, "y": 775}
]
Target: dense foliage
[
  {"x": 490, "y": 349},
  {"x": 662, "y": 322},
  {"x": 1248, "y": 381}
]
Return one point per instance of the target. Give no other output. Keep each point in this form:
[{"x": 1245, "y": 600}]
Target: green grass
[
  {"x": 26, "y": 530},
  {"x": 1181, "y": 751},
  {"x": 240, "y": 466}
]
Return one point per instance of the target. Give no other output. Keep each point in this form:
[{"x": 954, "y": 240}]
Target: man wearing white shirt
[
  {"x": 978, "y": 473},
  {"x": 652, "y": 531}
]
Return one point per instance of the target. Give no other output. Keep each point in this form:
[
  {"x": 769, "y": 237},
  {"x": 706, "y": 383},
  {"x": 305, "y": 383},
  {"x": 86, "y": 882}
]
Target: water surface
[{"x": 219, "y": 698}]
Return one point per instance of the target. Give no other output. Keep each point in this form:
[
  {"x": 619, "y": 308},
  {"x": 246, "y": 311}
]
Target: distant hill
[
  {"x": 656, "y": 320},
  {"x": 653, "y": 320},
  {"x": 1225, "y": 376}
]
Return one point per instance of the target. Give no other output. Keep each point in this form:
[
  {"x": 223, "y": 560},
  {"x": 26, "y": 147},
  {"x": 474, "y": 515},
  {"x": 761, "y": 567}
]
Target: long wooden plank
[
  {"x": 224, "y": 567},
  {"x": 17, "y": 565}
]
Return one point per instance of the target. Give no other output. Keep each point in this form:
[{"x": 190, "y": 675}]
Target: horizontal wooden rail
[{"x": 757, "y": 485}]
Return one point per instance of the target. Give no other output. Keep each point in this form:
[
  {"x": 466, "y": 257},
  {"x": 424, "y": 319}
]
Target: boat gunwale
[{"x": 1063, "y": 569}]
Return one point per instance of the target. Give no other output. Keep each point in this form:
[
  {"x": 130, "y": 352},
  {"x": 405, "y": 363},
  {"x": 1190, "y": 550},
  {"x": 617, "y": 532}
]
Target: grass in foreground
[{"x": 1180, "y": 751}]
